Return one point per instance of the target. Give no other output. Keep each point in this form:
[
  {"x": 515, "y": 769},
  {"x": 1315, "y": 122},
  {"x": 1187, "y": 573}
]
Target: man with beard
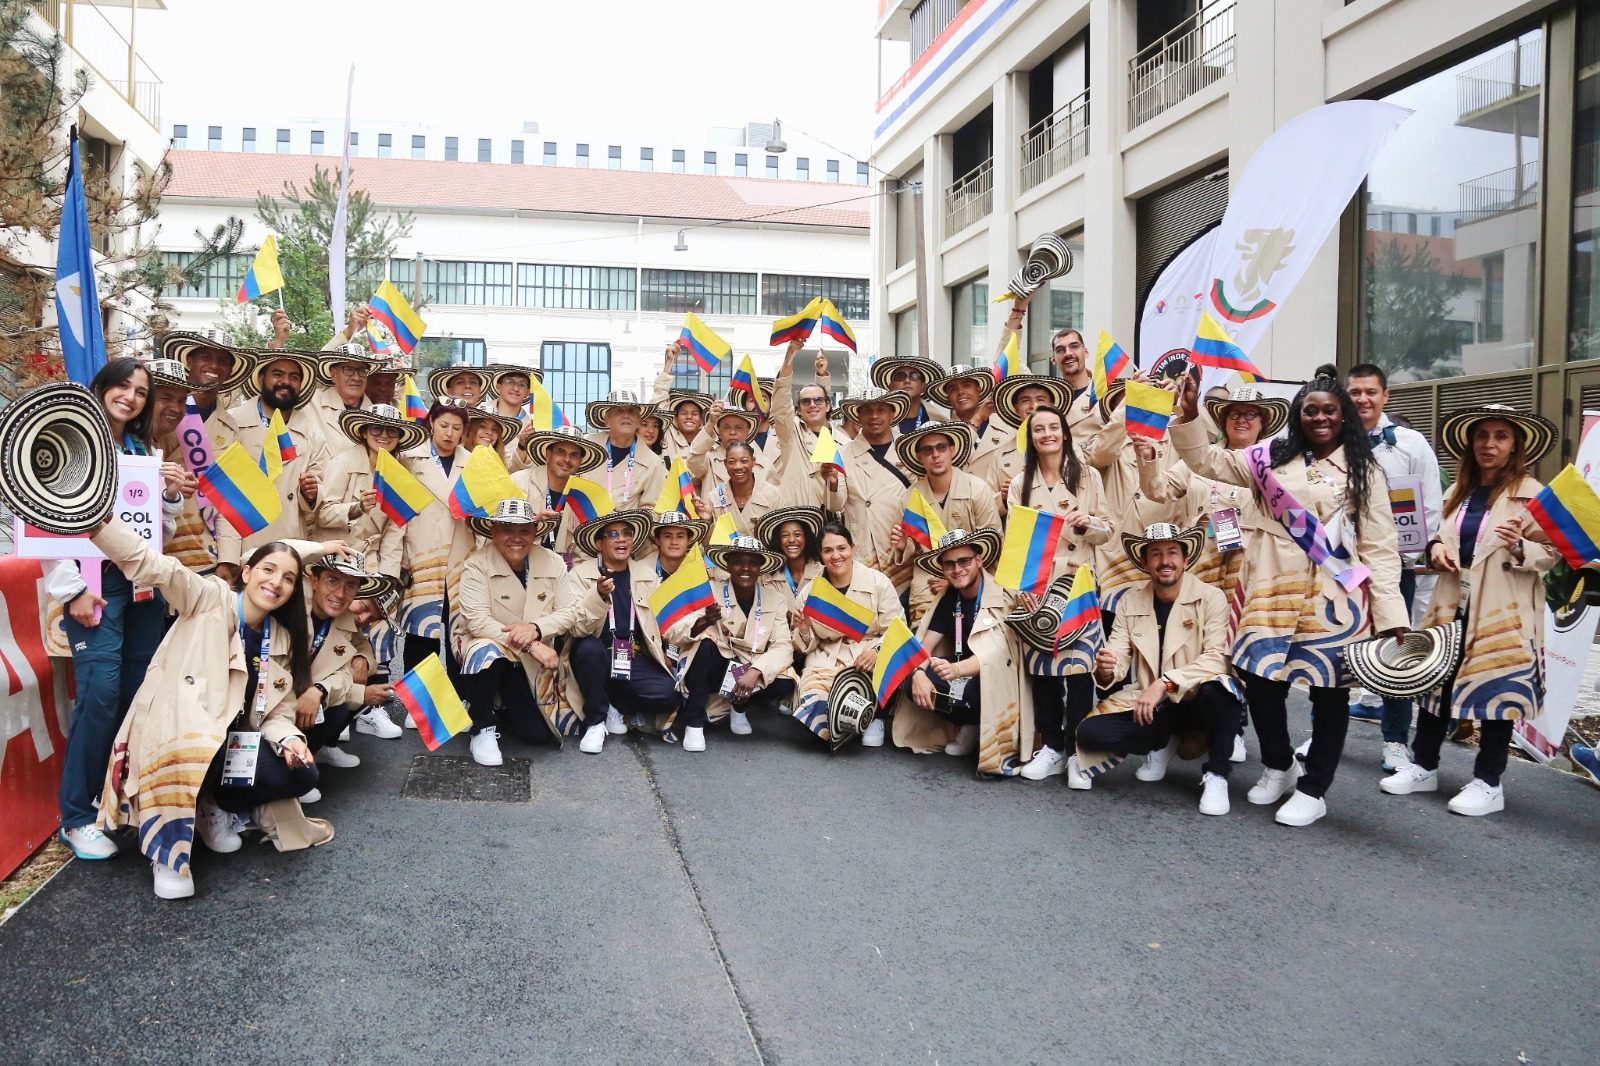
[
  {"x": 551, "y": 457},
  {"x": 875, "y": 484},
  {"x": 797, "y": 421},
  {"x": 1070, "y": 356},
  {"x": 282, "y": 382},
  {"x": 215, "y": 370}
]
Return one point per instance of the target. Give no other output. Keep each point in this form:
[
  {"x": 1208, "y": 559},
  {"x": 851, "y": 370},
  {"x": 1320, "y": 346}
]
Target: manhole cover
[{"x": 447, "y": 777}]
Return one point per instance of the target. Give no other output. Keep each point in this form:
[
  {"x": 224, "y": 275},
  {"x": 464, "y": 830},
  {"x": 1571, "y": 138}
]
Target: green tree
[{"x": 1407, "y": 296}]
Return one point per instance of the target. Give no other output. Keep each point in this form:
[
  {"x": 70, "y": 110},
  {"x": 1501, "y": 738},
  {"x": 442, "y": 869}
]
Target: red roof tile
[{"x": 425, "y": 183}]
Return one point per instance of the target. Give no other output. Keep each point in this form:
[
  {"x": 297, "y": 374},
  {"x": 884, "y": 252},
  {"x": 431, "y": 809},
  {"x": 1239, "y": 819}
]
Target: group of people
[{"x": 1234, "y": 559}]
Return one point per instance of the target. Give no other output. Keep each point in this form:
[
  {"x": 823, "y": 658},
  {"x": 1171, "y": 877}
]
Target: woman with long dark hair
[
  {"x": 1489, "y": 572},
  {"x": 1323, "y": 571}
]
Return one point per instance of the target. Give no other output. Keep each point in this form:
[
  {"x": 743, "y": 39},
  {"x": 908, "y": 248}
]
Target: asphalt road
[{"x": 764, "y": 902}]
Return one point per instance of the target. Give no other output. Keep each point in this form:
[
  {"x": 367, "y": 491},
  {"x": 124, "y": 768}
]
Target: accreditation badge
[
  {"x": 1225, "y": 528},
  {"x": 621, "y": 658},
  {"x": 239, "y": 758}
]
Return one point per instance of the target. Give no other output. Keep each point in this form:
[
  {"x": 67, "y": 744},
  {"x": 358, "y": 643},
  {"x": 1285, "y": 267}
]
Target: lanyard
[
  {"x": 132, "y": 446},
  {"x": 960, "y": 631},
  {"x": 627, "y": 480},
  {"x": 434, "y": 451},
  {"x": 611, "y": 606},
  {"x": 794, "y": 586},
  {"x": 320, "y": 634},
  {"x": 727, "y": 610},
  {"x": 260, "y": 704}
]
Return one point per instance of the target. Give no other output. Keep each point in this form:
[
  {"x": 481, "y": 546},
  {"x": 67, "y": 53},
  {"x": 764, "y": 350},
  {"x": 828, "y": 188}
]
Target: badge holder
[
  {"x": 731, "y": 678},
  {"x": 1225, "y": 528},
  {"x": 621, "y": 658},
  {"x": 239, "y": 758}
]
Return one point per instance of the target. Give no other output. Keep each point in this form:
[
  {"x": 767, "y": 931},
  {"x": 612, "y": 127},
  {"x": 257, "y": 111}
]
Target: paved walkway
[{"x": 764, "y": 902}]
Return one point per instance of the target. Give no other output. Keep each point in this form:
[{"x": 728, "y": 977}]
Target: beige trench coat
[
  {"x": 1197, "y": 497},
  {"x": 803, "y": 481},
  {"x": 334, "y": 665},
  {"x": 828, "y": 651},
  {"x": 874, "y": 501},
  {"x": 242, "y": 423},
  {"x": 1129, "y": 508},
  {"x": 436, "y": 543},
  {"x": 339, "y": 514},
  {"x": 969, "y": 504},
  {"x": 760, "y": 638},
  {"x": 635, "y": 492}
]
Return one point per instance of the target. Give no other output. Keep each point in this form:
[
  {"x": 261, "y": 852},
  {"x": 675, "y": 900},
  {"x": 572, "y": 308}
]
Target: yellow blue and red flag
[
  {"x": 723, "y": 531},
  {"x": 240, "y": 492},
  {"x": 388, "y": 305},
  {"x": 430, "y": 699},
  {"x": 587, "y": 500},
  {"x": 376, "y": 341},
  {"x": 1082, "y": 606},
  {"x": 264, "y": 275},
  {"x": 1029, "y": 549},
  {"x": 677, "y": 491},
  {"x": 483, "y": 483},
  {"x": 686, "y": 590},
  {"x": 400, "y": 495},
  {"x": 413, "y": 406},
  {"x": 920, "y": 521},
  {"x": 542, "y": 407},
  {"x": 1568, "y": 509},
  {"x": 798, "y": 326},
  {"x": 834, "y": 325},
  {"x": 898, "y": 657},
  {"x": 827, "y": 451},
  {"x": 277, "y": 447},
  {"x": 707, "y": 348},
  {"x": 1214, "y": 348},
  {"x": 1148, "y": 410},
  {"x": 1010, "y": 362},
  {"x": 1025, "y": 436},
  {"x": 832, "y": 608},
  {"x": 745, "y": 381},
  {"x": 1110, "y": 360}
]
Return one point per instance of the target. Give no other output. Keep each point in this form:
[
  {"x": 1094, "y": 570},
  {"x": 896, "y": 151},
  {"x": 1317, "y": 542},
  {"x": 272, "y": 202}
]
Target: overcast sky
[{"x": 623, "y": 68}]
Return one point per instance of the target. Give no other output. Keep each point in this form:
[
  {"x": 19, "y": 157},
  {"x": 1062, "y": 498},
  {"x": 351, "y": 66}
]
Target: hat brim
[
  {"x": 718, "y": 555},
  {"x": 440, "y": 375},
  {"x": 372, "y": 586},
  {"x": 1114, "y": 392},
  {"x": 354, "y": 425},
  {"x": 1005, "y": 395},
  {"x": 852, "y": 705},
  {"x": 883, "y": 370},
  {"x": 501, "y": 370},
  {"x": 306, "y": 361},
  {"x": 537, "y": 449},
  {"x": 1408, "y": 666},
  {"x": 1538, "y": 434},
  {"x": 58, "y": 464},
  {"x": 698, "y": 528},
  {"x": 939, "y": 391},
  {"x": 851, "y": 409},
  {"x": 1040, "y": 627},
  {"x": 1193, "y": 540},
  {"x": 676, "y": 399},
  {"x": 178, "y": 346},
  {"x": 1274, "y": 413},
  {"x": 598, "y": 411},
  {"x": 326, "y": 363},
  {"x": 747, "y": 417},
  {"x": 905, "y": 445},
  {"x": 159, "y": 380},
  {"x": 541, "y": 527},
  {"x": 985, "y": 541},
  {"x": 587, "y": 534},
  {"x": 767, "y": 525}
]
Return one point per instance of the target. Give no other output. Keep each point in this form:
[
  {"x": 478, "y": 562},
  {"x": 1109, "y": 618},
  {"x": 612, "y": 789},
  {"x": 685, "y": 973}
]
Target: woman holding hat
[
  {"x": 350, "y": 506},
  {"x": 936, "y": 454},
  {"x": 794, "y": 533},
  {"x": 1322, "y": 572},
  {"x": 435, "y": 542},
  {"x": 633, "y": 473},
  {"x": 553, "y": 457},
  {"x": 828, "y": 650},
  {"x": 1490, "y": 577}
]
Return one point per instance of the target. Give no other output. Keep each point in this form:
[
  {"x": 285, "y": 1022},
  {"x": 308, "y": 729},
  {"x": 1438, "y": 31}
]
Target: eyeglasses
[
  {"x": 383, "y": 431},
  {"x": 1248, "y": 415},
  {"x": 613, "y": 534},
  {"x": 934, "y": 447},
  {"x": 813, "y": 399},
  {"x": 957, "y": 564}
]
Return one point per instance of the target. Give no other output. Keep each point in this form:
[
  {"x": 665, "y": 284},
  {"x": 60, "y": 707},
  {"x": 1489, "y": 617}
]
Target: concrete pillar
[
  {"x": 1010, "y": 118},
  {"x": 1109, "y": 232},
  {"x": 936, "y": 178}
]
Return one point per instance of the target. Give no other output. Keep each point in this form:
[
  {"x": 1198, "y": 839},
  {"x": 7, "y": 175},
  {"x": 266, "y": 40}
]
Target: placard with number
[{"x": 138, "y": 503}]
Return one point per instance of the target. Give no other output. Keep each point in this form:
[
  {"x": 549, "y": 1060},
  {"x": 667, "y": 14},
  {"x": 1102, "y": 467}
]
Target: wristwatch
[
  {"x": 320, "y": 687},
  {"x": 1170, "y": 685}
]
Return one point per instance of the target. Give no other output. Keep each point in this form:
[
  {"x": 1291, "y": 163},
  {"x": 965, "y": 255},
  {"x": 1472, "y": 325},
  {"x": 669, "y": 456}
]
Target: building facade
[{"x": 1464, "y": 265}]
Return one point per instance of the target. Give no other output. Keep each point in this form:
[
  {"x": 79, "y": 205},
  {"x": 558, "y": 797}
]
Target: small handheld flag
[
  {"x": 921, "y": 522},
  {"x": 277, "y": 447},
  {"x": 832, "y": 608},
  {"x": 686, "y": 590},
  {"x": 240, "y": 492},
  {"x": 798, "y": 326},
  {"x": 1568, "y": 509},
  {"x": 1010, "y": 362},
  {"x": 587, "y": 500},
  {"x": 1082, "y": 606},
  {"x": 483, "y": 483},
  {"x": 827, "y": 452},
  {"x": 1148, "y": 410},
  {"x": 677, "y": 491},
  {"x": 542, "y": 407},
  {"x": 430, "y": 699},
  {"x": 1024, "y": 436},
  {"x": 1029, "y": 549},
  {"x": 413, "y": 407},
  {"x": 400, "y": 495},
  {"x": 287, "y": 450},
  {"x": 376, "y": 341},
  {"x": 388, "y": 305},
  {"x": 264, "y": 275},
  {"x": 724, "y": 531},
  {"x": 1214, "y": 348},
  {"x": 898, "y": 657},
  {"x": 707, "y": 348},
  {"x": 745, "y": 381},
  {"x": 834, "y": 325},
  {"x": 1109, "y": 361}
]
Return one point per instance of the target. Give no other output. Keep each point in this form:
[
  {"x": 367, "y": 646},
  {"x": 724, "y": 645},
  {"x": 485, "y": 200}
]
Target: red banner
[{"x": 32, "y": 715}]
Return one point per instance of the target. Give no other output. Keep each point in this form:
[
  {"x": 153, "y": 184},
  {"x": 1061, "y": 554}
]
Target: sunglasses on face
[{"x": 957, "y": 564}]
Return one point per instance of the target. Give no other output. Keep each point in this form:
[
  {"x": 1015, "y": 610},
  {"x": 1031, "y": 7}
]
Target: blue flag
[{"x": 83, "y": 343}]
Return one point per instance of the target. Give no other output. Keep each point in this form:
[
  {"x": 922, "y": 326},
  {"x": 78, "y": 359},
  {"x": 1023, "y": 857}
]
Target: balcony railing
[
  {"x": 106, "y": 50},
  {"x": 1053, "y": 144},
  {"x": 970, "y": 198},
  {"x": 1505, "y": 190},
  {"x": 1505, "y": 75},
  {"x": 1192, "y": 55}
]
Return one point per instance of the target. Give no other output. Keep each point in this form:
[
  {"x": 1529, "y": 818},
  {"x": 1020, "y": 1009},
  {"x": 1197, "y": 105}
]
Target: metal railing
[
  {"x": 109, "y": 54},
  {"x": 1190, "y": 56},
  {"x": 970, "y": 198},
  {"x": 1053, "y": 144},
  {"x": 1504, "y": 190},
  {"x": 1503, "y": 76}
]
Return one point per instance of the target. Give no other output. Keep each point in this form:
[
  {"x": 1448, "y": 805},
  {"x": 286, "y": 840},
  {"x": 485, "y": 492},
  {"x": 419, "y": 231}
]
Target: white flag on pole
[
  {"x": 336, "y": 240},
  {"x": 1172, "y": 310}
]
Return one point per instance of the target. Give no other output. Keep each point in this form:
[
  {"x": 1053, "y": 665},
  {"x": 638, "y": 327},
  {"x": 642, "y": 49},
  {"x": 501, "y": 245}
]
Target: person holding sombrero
[
  {"x": 936, "y": 454},
  {"x": 338, "y": 654},
  {"x": 725, "y": 425},
  {"x": 349, "y": 507},
  {"x": 797, "y": 422},
  {"x": 552, "y": 456},
  {"x": 1172, "y": 630},
  {"x": 462, "y": 381},
  {"x": 996, "y": 457},
  {"x": 216, "y": 369},
  {"x": 911, "y": 375},
  {"x": 796, "y": 534},
  {"x": 1490, "y": 568},
  {"x": 738, "y": 649},
  {"x": 876, "y": 482},
  {"x": 341, "y": 374},
  {"x": 973, "y": 695},
  {"x": 633, "y": 474}
]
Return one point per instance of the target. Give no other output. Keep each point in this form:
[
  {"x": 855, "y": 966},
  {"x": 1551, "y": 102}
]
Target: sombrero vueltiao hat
[
  {"x": 373, "y": 585},
  {"x": 1411, "y": 665},
  {"x": 1005, "y": 395},
  {"x": 737, "y": 398},
  {"x": 599, "y": 410},
  {"x": 538, "y": 446},
  {"x": 852, "y": 704},
  {"x": 960, "y": 434},
  {"x": 939, "y": 391},
  {"x": 587, "y": 536},
  {"x": 851, "y": 408},
  {"x": 749, "y": 418},
  {"x": 1274, "y": 409},
  {"x": 883, "y": 370},
  {"x": 439, "y": 377},
  {"x": 168, "y": 374},
  {"x": 1040, "y": 628},
  {"x": 676, "y": 398},
  {"x": 346, "y": 353},
  {"x": 180, "y": 345},
  {"x": 509, "y": 427},
  {"x": 513, "y": 512},
  {"x": 719, "y": 555},
  {"x": 1538, "y": 434},
  {"x": 986, "y": 542},
  {"x": 58, "y": 465},
  {"x": 767, "y": 525},
  {"x": 1193, "y": 540},
  {"x": 496, "y": 371},
  {"x": 699, "y": 528},
  {"x": 306, "y": 361},
  {"x": 354, "y": 424},
  {"x": 1114, "y": 393}
]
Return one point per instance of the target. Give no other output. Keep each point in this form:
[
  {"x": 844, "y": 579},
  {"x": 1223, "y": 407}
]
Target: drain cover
[{"x": 446, "y": 777}]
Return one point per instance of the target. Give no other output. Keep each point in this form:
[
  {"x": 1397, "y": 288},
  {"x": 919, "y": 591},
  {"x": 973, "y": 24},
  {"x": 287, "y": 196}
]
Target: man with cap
[
  {"x": 672, "y": 535},
  {"x": 911, "y": 375},
  {"x": 687, "y": 408},
  {"x": 876, "y": 483},
  {"x": 338, "y": 654},
  {"x": 349, "y": 506},
  {"x": 342, "y": 377},
  {"x": 1172, "y": 630},
  {"x": 725, "y": 425},
  {"x": 509, "y": 388},
  {"x": 551, "y": 458},
  {"x": 740, "y": 649},
  {"x": 505, "y": 585},
  {"x": 936, "y": 454},
  {"x": 996, "y": 458},
  {"x": 797, "y": 421},
  {"x": 461, "y": 380},
  {"x": 972, "y": 695},
  {"x": 633, "y": 473}
]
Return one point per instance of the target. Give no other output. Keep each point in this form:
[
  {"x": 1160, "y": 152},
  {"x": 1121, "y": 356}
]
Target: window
[
  {"x": 283, "y": 141},
  {"x": 677, "y": 160},
  {"x": 385, "y": 145},
  {"x": 355, "y": 139},
  {"x": 686, "y": 374},
  {"x": 772, "y": 166},
  {"x": 832, "y": 171},
  {"x": 784, "y": 294},
  {"x": 549, "y": 153},
  {"x": 247, "y": 139},
  {"x": 701, "y": 291},
  {"x": 419, "y": 146},
  {"x": 802, "y": 169},
  {"x": 741, "y": 165},
  {"x": 469, "y": 350},
  {"x": 516, "y": 151},
  {"x": 582, "y": 287},
  {"x": 180, "y": 136},
  {"x": 1583, "y": 313},
  {"x": 576, "y": 373},
  {"x": 969, "y": 322},
  {"x": 485, "y": 150},
  {"x": 473, "y": 284},
  {"x": 316, "y": 142},
  {"x": 647, "y": 159},
  {"x": 583, "y": 155},
  {"x": 1465, "y": 302},
  {"x": 710, "y": 163},
  {"x": 1057, "y": 306},
  {"x": 614, "y": 157},
  {"x": 452, "y": 148},
  {"x": 220, "y": 280},
  {"x": 213, "y": 138},
  {"x": 861, "y": 173}
]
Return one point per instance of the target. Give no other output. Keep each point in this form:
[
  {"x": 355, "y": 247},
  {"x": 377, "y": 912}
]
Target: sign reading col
[{"x": 138, "y": 503}]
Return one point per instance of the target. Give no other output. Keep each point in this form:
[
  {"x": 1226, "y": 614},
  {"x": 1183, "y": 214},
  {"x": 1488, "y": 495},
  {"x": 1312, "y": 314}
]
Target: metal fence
[
  {"x": 970, "y": 198},
  {"x": 1190, "y": 56},
  {"x": 1506, "y": 74},
  {"x": 1053, "y": 144},
  {"x": 1504, "y": 190}
]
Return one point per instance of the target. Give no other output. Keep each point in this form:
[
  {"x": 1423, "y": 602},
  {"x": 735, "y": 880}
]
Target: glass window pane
[
  {"x": 703, "y": 292},
  {"x": 576, "y": 374},
  {"x": 905, "y": 332},
  {"x": 1058, "y": 306},
  {"x": 969, "y": 321},
  {"x": 1583, "y": 330}
]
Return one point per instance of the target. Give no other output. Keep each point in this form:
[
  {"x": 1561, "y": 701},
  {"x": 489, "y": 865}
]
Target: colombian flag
[
  {"x": 286, "y": 447},
  {"x": 837, "y": 611},
  {"x": 1082, "y": 606},
  {"x": 707, "y": 348},
  {"x": 920, "y": 521},
  {"x": 375, "y": 340},
  {"x": 1569, "y": 511},
  {"x": 798, "y": 326},
  {"x": 686, "y": 590},
  {"x": 542, "y": 407},
  {"x": 587, "y": 499},
  {"x": 1109, "y": 362},
  {"x": 389, "y": 307},
  {"x": 1029, "y": 550},
  {"x": 1214, "y": 348},
  {"x": 745, "y": 381},
  {"x": 483, "y": 483},
  {"x": 240, "y": 492},
  {"x": 724, "y": 530},
  {"x": 898, "y": 657},
  {"x": 277, "y": 447},
  {"x": 264, "y": 275},
  {"x": 827, "y": 452},
  {"x": 1148, "y": 409},
  {"x": 430, "y": 699},
  {"x": 1010, "y": 362},
  {"x": 412, "y": 405},
  {"x": 400, "y": 495},
  {"x": 834, "y": 325},
  {"x": 677, "y": 489}
]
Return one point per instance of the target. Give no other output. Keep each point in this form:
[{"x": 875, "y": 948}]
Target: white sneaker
[
  {"x": 694, "y": 738},
  {"x": 1301, "y": 810},
  {"x": 873, "y": 736},
  {"x": 169, "y": 883},
  {"x": 485, "y": 746},
  {"x": 344, "y": 735},
  {"x": 739, "y": 724},
  {"x": 615, "y": 723},
  {"x": 1478, "y": 798},
  {"x": 1213, "y": 794},
  {"x": 965, "y": 743},
  {"x": 87, "y": 842},
  {"x": 1076, "y": 778},
  {"x": 1239, "y": 754},
  {"x": 1303, "y": 750},
  {"x": 215, "y": 828},
  {"x": 1407, "y": 778},
  {"x": 1046, "y": 762},
  {"x": 313, "y": 796},
  {"x": 1155, "y": 764},
  {"x": 1395, "y": 755},
  {"x": 1273, "y": 785},
  {"x": 409, "y": 722},
  {"x": 1372, "y": 701},
  {"x": 375, "y": 722},
  {"x": 594, "y": 738},
  {"x": 333, "y": 755}
]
